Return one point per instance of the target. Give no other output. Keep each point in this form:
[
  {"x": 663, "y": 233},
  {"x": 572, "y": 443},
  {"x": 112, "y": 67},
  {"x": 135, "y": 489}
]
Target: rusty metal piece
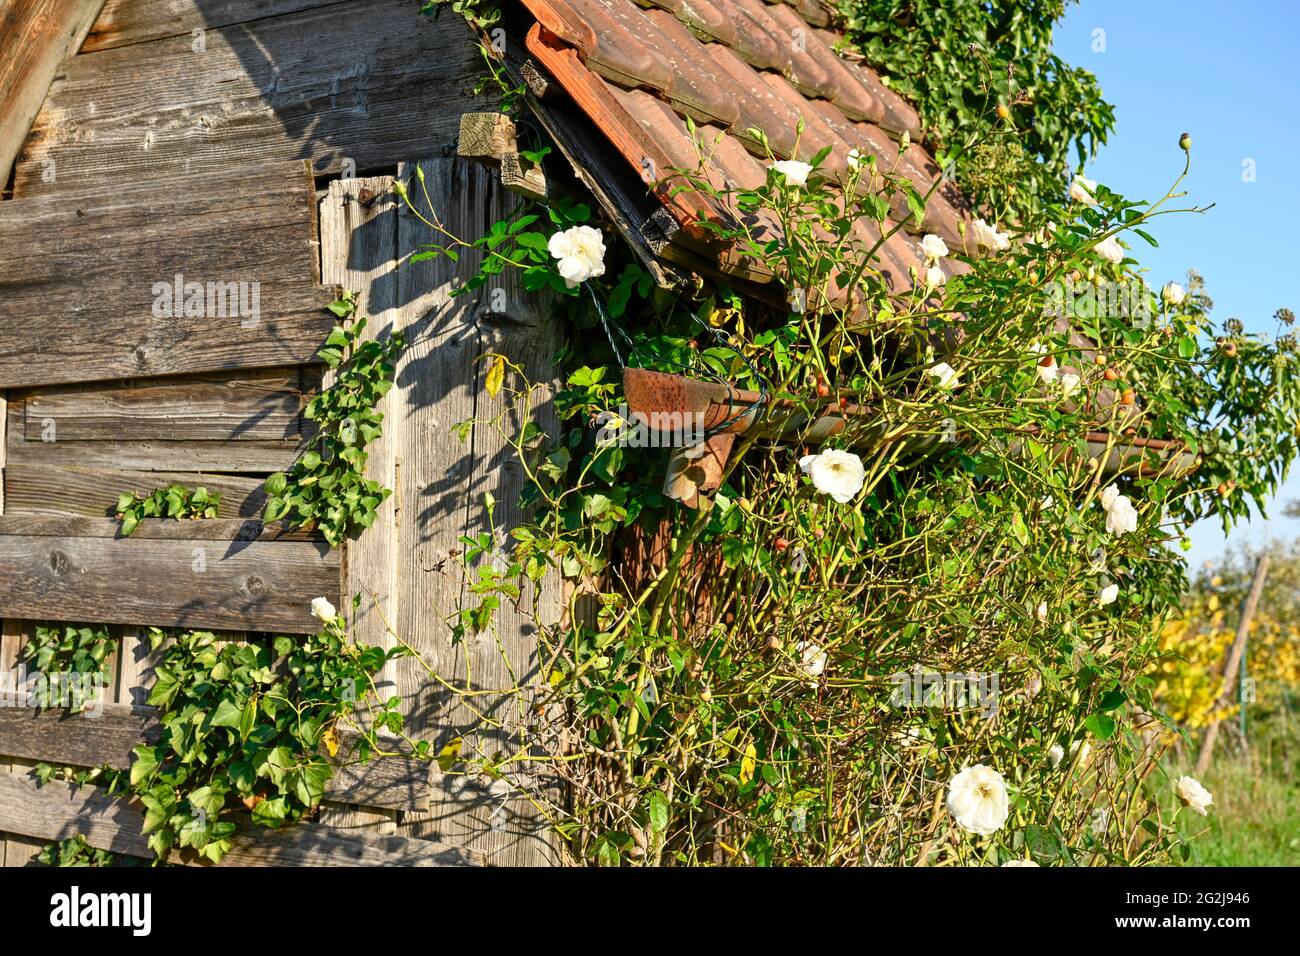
[
  {"x": 701, "y": 421},
  {"x": 698, "y": 469}
]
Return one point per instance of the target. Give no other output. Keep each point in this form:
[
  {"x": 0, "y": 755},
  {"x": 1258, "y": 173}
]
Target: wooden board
[
  {"x": 87, "y": 278},
  {"x": 357, "y": 85},
  {"x": 235, "y": 406},
  {"x": 76, "y": 740},
  {"x": 137, "y": 452},
  {"x": 92, "y": 492},
  {"x": 237, "y": 575},
  {"x": 35, "y": 37},
  {"x": 58, "y": 810},
  {"x": 440, "y": 381},
  {"x": 122, "y": 22}
]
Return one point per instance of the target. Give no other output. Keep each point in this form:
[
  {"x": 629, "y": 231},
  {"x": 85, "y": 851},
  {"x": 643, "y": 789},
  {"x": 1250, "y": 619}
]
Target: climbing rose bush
[{"x": 927, "y": 639}]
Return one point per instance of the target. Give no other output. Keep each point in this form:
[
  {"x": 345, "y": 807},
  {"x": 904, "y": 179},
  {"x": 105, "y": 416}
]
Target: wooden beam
[
  {"x": 237, "y": 247},
  {"x": 485, "y": 136},
  {"x": 36, "y": 36},
  {"x": 234, "y": 575},
  {"x": 594, "y": 164},
  {"x": 349, "y": 86},
  {"x": 490, "y": 138},
  {"x": 86, "y": 740},
  {"x": 58, "y": 810}
]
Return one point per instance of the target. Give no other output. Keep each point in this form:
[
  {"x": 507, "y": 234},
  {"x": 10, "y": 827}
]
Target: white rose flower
[
  {"x": 1173, "y": 293},
  {"x": 1069, "y": 383},
  {"x": 933, "y": 246},
  {"x": 977, "y": 799},
  {"x": 812, "y": 659},
  {"x": 1020, "y": 863},
  {"x": 1192, "y": 794},
  {"x": 323, "y": 609},
  {"x": 944, "y": 374},
  {"x": 1108, "y": 594},
  {"x": 795, "y": 172},
  {"x": 1082, "y": 190},
  {"x": 1110, "y": 249},
  {"x": 1055, "y": 754},
  {"x": 836, "y": 473},
  {"x": 1041, "y": 612},
  {"x": 934, "y": 277},
  {"x": 989, "y": 237},
  {"x": 856, "y": 159},
  {"x": 1108, "y": 496},
  {"x": 581, "y": 251},
  {"x": 1121, "y": 517}
]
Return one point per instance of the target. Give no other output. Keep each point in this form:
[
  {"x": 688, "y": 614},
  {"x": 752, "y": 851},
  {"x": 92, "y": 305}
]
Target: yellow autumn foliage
[{"x": 1194, "y": 648}]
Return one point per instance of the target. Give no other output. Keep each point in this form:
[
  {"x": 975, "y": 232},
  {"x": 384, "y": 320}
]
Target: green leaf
[
  {"x": 228, "y": 713},
  {"x": 1100, "y": 726}
]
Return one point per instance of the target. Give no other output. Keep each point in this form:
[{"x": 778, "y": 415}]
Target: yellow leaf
[
  {"x": 496, "y": 375},
  {"x": 449, "y": 754},
  {"x": 332, "y": 742},
  {"x": 748, "y": 762}
]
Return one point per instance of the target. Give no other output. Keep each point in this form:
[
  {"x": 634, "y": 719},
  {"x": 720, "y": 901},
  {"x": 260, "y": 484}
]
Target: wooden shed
[{"x": 239, "y": 154}]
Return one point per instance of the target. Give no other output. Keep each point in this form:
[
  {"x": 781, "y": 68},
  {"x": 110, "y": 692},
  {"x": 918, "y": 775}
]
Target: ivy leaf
[{"x": 228, "y": 713}]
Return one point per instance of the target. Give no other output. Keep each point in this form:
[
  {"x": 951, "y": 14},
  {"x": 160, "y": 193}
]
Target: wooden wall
[{"x": 217, "y": 140}]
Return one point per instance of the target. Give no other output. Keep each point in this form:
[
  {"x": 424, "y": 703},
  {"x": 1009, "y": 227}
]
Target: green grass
[{"x": 1255, "y": 818}]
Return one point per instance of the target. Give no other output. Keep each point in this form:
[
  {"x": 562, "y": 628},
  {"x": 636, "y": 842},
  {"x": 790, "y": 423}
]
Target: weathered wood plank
[
  {"x": 123, "y": 22},
  {"x": 358, "y": 232},
  {"x": 228, "y": 530},
  {"x": 92, "y": 492},
  {"x": 88, "y": 278},
  {"x": 77, "y": 740},
  {"x": 144, "y": 453},
  {"x": 237, "y": 406},
  {"x": 359, "y": 252},
  {"x": 206, "y": 574},
  {"x": 351, "y": 84},
  {"x": 440, "y": 498},
  {"x": 15, "y": 850},
  {"x": 58, "y": 810},
  {"x": 35, "y": 37}
]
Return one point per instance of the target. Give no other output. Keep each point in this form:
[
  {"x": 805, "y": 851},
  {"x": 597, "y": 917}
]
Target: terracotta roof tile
[{"x": 638, "y": 68}]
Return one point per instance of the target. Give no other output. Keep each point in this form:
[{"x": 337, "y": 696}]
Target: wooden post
[
  {"x": 1234, "y": 661},
  {"x": 440, "y": 498}
]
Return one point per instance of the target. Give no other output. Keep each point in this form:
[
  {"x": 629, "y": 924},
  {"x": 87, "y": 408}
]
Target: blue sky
[{"x": 1227, "y": 74}]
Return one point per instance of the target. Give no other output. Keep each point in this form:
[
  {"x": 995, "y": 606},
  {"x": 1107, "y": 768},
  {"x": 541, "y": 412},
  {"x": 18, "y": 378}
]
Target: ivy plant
[
  {"x": 966, "y": 64},
  {"x": 326, "y": 489},
  {"x": 174, "y": 501},
  {"x": 74, "y": 851},
  {"x": 70, "y": 649},
  {"x": 248, "y": 727}
]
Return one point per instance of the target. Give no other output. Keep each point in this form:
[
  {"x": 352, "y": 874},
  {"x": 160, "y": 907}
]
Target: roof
[{"x": 733, "y": 66}]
